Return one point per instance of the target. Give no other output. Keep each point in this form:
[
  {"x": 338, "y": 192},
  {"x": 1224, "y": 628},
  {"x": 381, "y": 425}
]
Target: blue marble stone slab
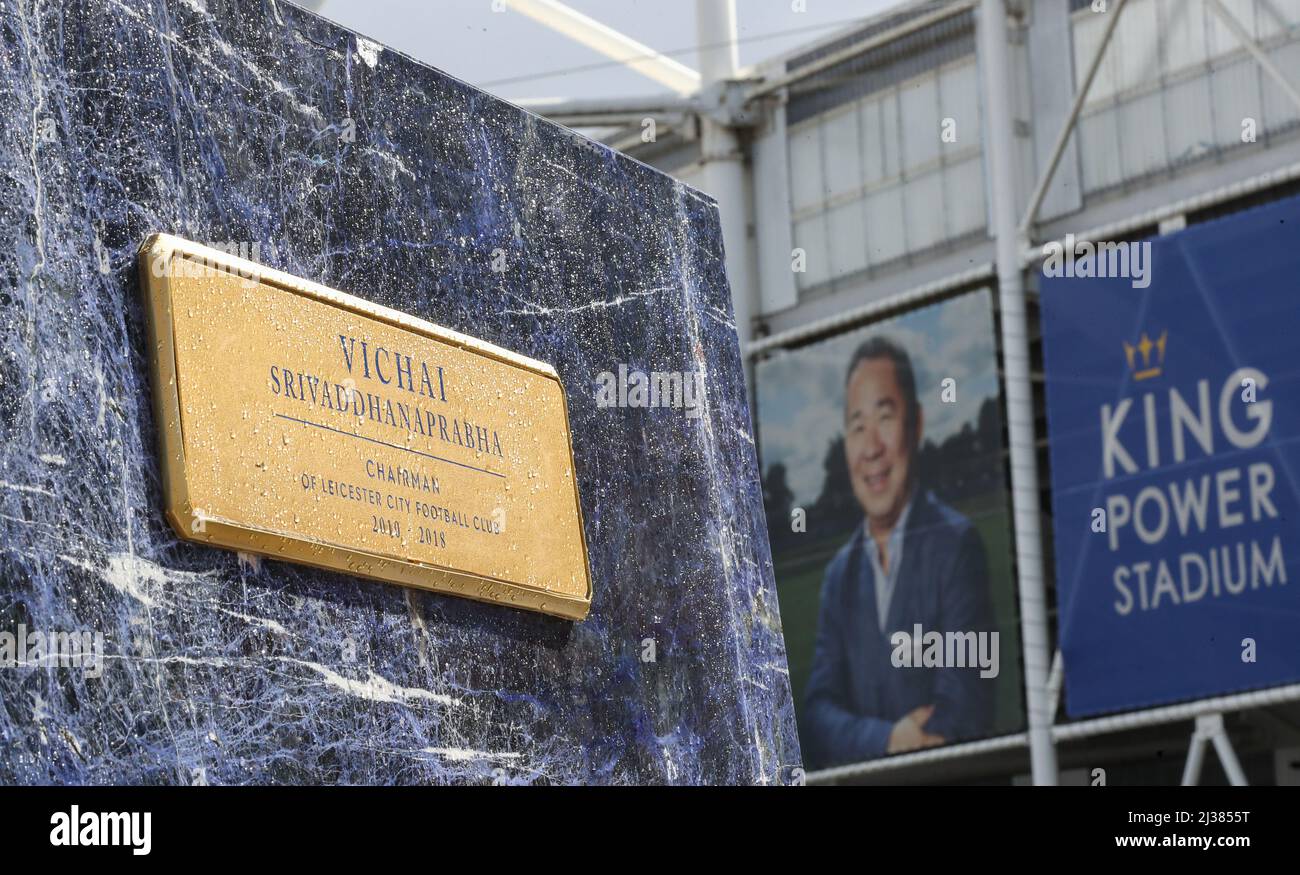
[{"x": 254, "y": 123}]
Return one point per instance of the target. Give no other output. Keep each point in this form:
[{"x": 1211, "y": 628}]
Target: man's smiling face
[{"x": 878, "y": 443}]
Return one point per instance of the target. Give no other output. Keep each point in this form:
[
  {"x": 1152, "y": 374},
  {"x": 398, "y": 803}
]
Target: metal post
[
  {"x": 1195, "y": 757},
  {"x": 1223, "y": 746},
  {"x": 552, "y": 107},
  {"x": 724, "y": 164},
  {"x": 1055, "y": 678},
  {"x": 1210, "y": 730},
  {"x": 1001, "y": 161}
]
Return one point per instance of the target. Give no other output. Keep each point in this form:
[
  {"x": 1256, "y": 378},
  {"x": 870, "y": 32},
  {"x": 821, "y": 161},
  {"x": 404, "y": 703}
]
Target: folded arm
[
  {"x": 837, "y": 734},
  {"x": 963, "y": 700}
]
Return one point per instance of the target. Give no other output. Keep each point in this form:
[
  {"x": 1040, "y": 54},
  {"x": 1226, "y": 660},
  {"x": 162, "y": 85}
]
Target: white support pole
[
  {"x": 617, "y": 106},
  {"x": 724, "y": 164},
  {"x": 1227, "y": 756},
  {"x": 715, "y": 21},
  {"x": 1055, "y": 680},
  {"x": 994, "y": 57},
  {"x": 1210, "y": 730},
  {"x": 1195, "y": 758}
]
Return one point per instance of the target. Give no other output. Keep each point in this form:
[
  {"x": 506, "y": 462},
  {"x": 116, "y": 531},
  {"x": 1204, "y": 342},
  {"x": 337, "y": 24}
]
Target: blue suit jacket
[{"x": 855, "y": 694}]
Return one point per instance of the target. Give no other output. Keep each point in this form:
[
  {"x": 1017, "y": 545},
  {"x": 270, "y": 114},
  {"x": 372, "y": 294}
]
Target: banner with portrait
[{"x": 884, "y": 479}]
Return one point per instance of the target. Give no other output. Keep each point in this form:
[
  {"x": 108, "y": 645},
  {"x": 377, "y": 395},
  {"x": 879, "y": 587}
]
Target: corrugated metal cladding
[
  {"x": 1176, "y": 73},
  {"x": 882, "y": 67},
  {"x": 873, "y": 179},
  {"x": 873, "y": 183}
]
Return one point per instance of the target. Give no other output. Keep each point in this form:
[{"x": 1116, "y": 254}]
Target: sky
[
  {"x": 509, "y": 54},
  {"x": 801, "y": 392}
]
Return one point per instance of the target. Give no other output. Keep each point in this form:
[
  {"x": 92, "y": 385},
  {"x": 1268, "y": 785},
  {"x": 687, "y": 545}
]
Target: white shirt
[{"x": 887, "y": 581}]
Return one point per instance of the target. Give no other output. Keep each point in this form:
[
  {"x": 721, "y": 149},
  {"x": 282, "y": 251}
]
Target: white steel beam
[
  {"x": 1063, "y": 137},
  {"x": 1251, "y": 46},
  {"x": 723, "y": 159},
  {"x": 610, "y": 43},
  {"x": 1000, "y": 156},
  {"x": 616, "y": 106}
]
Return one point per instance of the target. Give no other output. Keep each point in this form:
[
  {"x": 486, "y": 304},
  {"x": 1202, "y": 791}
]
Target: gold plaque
[{"x": 304, "y": 424}]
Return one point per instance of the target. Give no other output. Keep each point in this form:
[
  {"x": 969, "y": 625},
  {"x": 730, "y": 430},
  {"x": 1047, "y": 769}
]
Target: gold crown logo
[{"x": 1144, "y": 347}]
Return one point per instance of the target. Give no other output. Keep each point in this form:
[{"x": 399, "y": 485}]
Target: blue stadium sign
[{"x": 1174, "y": 428}]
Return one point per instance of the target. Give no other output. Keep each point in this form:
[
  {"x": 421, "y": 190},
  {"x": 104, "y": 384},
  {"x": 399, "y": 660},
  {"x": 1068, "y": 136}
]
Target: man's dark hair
[{"x": 881, "y": 347}]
